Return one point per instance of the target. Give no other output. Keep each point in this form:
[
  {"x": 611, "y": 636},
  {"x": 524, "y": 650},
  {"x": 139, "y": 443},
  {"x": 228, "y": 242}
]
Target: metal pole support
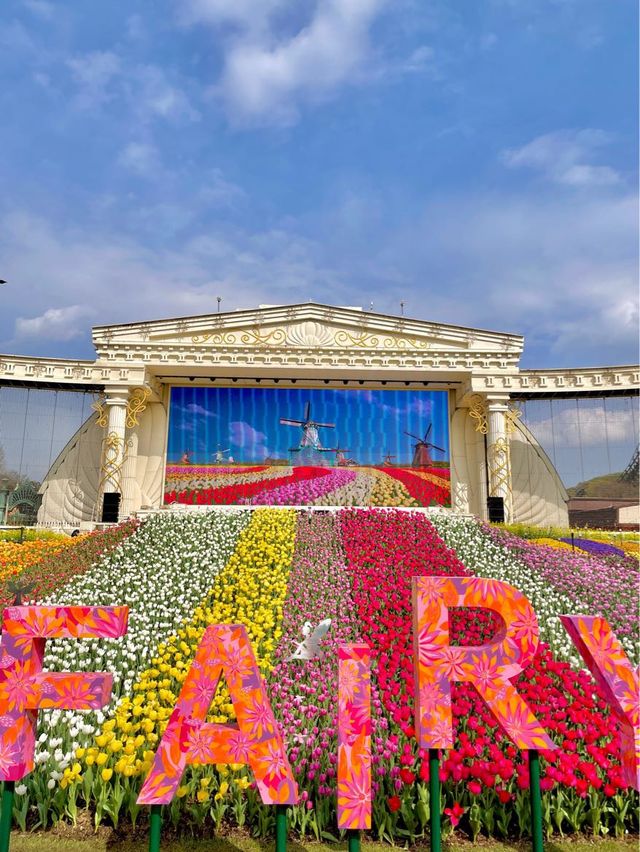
[
  {"x": 6, "y": 815},
  {"x": 281, "y": 828},
  {"x": 435, "y": 842},
  {"x": 536, "y": 801},
  {"x": 353, "y": 839},
  {"x": 155, "y": 828}
]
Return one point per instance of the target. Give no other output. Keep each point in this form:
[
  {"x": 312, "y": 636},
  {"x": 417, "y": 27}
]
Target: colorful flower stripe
[
  {"x": 250, "y": 590},
  {"x": 596, "y": 586},
  {"x": 15, "y": 557},
  {"x": 162, "y": 573},
  {"x": 387, "y": 491},
  {"x": 209, "y": 470},
  {"x": 442, "y": 472},
  {"x": 53, "y": 570},
  {"x": 484, "y": 556},
  {"x": 196, "y": 483},
  {"x": 308, "y": 491},
  {"x": 354, "y": 493},
  {"x": 432, "y": 477},
  {"x": 551, "y": 542},
  {"x": 631, "y": 548},
  {"x": 598, "y": 548},
  {"x": 232, "y": 494},
  {"x": 384, "y": 551},
  {"x": 304, "y": 691},
  {"x": 426, "y": 493}
]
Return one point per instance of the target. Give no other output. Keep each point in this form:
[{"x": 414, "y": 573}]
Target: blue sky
[
  {"x": 476, "y": 160},
  {"x": 245, "y": 422}
]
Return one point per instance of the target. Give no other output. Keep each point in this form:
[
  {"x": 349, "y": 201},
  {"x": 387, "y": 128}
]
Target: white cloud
[
  {"x": 94, "y": 73},
  {"x": 124, "y": 280},
  {"x": 104, "y": 76},
  {"x": 140, "y": 158},
  {"x": 245, "y": 437},
  {"x": 217, "y": 191},
  {"x": 563, "y": 157},
  {"x": 55, "y": 323},
  {"x": 40, "y": 8},
  {"x": 587, "y": 425},
  {"x": 155, "y": 95},
  {"x": 562, "y": 274},
  {"x": 269, "y": 72}
]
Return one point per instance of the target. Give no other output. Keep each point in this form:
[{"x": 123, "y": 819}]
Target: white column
[
  {"x": 498, "y": 452},
  {"x": 114, "y": 445}
]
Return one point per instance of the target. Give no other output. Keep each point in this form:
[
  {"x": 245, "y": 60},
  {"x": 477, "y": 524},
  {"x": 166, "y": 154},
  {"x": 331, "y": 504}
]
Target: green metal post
[
  {"x": 353, "y": 837},
  {"x": 536, "y": 801},
  {"x": 155, "y": 828},
  {"x": 6, "y": 815},
  {"x": 434, "y": 801},
  {"x": 281, "y": 828}
]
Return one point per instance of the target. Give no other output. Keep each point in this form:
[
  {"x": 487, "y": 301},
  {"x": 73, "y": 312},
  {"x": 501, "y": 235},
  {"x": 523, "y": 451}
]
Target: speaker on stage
[
  {"x": 110, "y": 507},
  {"x": 495, "y": 505}
]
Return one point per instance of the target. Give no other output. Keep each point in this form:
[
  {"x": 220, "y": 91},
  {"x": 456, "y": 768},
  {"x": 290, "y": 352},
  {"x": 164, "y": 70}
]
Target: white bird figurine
[{"x": 309, "y": 648}]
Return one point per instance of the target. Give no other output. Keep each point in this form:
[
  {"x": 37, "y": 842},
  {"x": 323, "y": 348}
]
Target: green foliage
[
  {"x": 30, "y": 534},
  {"x": 529, "y": 531}
]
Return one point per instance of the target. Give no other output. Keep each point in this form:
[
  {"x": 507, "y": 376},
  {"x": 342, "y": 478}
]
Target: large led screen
[{"x": 297, "y": 447}]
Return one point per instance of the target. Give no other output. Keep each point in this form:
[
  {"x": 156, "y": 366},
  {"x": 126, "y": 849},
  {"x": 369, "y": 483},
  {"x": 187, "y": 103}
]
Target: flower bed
[
  {"x": 161, "y": 573},
  {"x": 598, "y": 548},
  {"x": 484, "y": 775},
  {"x": 273, "y": 570},
  {"x": 15, "y": 557},
  {"x": 244, "y": 492},
  {"x": 596, "y": 586},
  {"x": 425, "y": 491},
  {"x": 53, "y": 569},
  {"x": 295, "y": 486}
]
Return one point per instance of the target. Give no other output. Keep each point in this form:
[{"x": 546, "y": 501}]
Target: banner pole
[
  {"x": 7, "y": 815},
  {"x": 281, "y": 828},
  {"x": 353, "y": 837},
  {"x": 536, "y": 801},
  {"x": 155, "y": 828},
  {"x": 434, "y": 801}
]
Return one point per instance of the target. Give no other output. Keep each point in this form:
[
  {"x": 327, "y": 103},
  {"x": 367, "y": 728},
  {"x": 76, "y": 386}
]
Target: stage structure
[{"x": 458, "y": 392}]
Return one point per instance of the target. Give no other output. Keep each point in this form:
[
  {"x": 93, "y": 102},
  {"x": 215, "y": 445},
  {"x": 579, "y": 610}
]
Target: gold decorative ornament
[
  {"x": 512, "y": 416},
  {"x": 499, "y": 458},
  {"x": 361, "y": 339},
  {"x": 136, "y": 404},
  {"x": 274, "y": 337},
  {"x": 114, "y": 455},
  {"x": 364, "y": 340},
  {"x": 100, "y": 408},
  {"x": 478, "y": 413}
]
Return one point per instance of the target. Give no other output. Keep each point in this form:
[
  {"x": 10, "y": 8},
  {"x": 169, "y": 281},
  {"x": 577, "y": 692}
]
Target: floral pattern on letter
[
  {"x": 489, "y": 667},
  {"x": 224, "y": 649},
  {"x": 354, "y": 736},
  {"x": 614, "y": 674},
  {"x": 25, "y": 688}
]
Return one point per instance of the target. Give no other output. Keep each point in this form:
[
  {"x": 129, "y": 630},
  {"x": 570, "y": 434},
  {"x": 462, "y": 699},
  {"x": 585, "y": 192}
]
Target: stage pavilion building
[{"x": 496, "y": 464}]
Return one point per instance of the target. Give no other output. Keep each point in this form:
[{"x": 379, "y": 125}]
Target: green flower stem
[{"x": 6, "y": 815}]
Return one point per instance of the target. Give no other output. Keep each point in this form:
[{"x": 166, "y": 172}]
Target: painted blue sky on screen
[
  {"x": 245, "y": 421},
  {"x": 477, "y": 160}
]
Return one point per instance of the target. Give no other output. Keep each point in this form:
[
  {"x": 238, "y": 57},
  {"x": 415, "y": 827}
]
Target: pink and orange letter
[
  {"x": 489, "y": 667},
  {"x": 354, "y": 736},
  {"x": 25, "y": 688},
  {"x": 190, "y": 739},
  {"x": 608, "y": 663}
]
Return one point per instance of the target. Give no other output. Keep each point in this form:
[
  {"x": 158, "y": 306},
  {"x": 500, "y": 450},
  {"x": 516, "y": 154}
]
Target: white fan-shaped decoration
[{"x": 309, "y": 334}]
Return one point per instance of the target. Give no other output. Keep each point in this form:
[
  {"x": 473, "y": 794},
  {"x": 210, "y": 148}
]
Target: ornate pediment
[{"x": 303, "y": 327}]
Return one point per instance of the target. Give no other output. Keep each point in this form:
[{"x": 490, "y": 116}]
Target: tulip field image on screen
[{"x": 298, "y": 447}]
